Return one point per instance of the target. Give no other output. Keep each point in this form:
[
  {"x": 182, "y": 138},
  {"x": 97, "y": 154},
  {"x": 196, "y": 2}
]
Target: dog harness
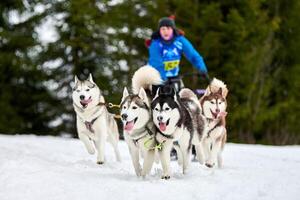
[
  {"x": 213, "y": 128},
  {"x": 148, "y": 132},
  {"x": 89, "y": 124}
]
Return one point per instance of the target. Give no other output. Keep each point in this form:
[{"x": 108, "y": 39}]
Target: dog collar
[{"x": 166, "y": 136}]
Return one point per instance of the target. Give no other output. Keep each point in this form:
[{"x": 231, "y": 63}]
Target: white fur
[
  {"x": 171, "y": 115},
  {"x": 105, "y": 127},
  {"x": 142, "y": 79},
  {"x": 215, "y": 85},
  {"x": 145, "y": 77}
]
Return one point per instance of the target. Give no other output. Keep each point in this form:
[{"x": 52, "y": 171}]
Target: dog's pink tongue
[
  {"x": 222, "y": 114},
  {"x": 129, "y": 126},
  {"x": 162, "y": 126}
]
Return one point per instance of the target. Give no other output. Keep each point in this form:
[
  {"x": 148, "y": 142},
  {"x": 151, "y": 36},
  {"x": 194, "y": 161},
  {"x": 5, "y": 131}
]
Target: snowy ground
[{"x": 55, "y": 168}]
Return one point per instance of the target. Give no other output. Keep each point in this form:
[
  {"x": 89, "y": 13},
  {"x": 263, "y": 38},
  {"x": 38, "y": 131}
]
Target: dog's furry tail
[
  {"x": 189, "y": 94},
  {"x": 145, "y": 77},
  {"x": 216, "y": 84}
]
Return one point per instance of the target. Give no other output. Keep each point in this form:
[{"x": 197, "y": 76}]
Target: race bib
[{"x": 169, "y": 65}]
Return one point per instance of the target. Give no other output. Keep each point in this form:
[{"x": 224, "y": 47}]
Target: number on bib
[{"x": 169, "y": 65}]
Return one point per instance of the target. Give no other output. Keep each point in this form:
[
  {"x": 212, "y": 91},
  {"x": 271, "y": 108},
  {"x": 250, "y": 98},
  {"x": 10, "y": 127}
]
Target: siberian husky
[
  {"x": 94, "y": 123},
  {"x": 214, "y": 104},
  {"x": 178, "y": 119},
  {"x": 136, "y": 116}
]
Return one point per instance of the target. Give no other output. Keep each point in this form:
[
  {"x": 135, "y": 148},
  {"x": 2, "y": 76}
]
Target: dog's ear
[
  {"x": 76, "y": 80},
  {"x": 220, "y": 91},
  {"x": 174, "y": 94},
  {"x": 90, "y": 79},
  {"x": 174, "y": 91},
  {"x": 142, "y": 94},
  {"x": 224, "y": 92},
  {"x": 207, "y": 91},
  {"x": 157, "y": 93},
  {"x": 125, "y": 94}
]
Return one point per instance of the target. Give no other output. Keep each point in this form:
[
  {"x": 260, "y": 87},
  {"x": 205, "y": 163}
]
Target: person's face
[{"x": 166, "y": 32}]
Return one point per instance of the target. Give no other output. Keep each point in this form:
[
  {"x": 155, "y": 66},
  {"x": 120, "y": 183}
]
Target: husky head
[
  {"x": 135, "y": 111},
  {"x": 213, "y": 104},
  {"x": 166, "y": 110},
  {"x": 86, "y": 94}
]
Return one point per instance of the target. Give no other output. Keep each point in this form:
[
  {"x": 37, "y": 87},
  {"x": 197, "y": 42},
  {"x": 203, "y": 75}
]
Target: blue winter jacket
[{"x": 166, "y": 57}]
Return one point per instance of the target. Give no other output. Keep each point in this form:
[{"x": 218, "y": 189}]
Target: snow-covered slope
[{"x": 41, "y": 168}]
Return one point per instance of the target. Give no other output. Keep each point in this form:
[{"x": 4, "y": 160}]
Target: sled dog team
[{"x": 154, "y": 122}]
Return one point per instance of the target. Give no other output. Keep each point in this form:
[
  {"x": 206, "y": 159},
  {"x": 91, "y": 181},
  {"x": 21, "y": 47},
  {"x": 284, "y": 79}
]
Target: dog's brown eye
[
  {"x": 156, "y": 109},
  {"x": 87, "y": 90},
  {"x": 77, "y": 90},
  {"x": 167, "y": 109},
  {"x": 212, "y": 102},
  {"x": 124, "y": 107},
  {"x": 134, "y": 107}
]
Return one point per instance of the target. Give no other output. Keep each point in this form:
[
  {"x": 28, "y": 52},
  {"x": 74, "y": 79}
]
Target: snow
[{"x": 35, "y": 168}]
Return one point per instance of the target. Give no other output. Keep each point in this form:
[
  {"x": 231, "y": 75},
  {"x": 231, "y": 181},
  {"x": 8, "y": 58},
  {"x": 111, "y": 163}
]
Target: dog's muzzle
[
  {"x": 159, "y": 118},
  {"x": 124, "y": 116}
]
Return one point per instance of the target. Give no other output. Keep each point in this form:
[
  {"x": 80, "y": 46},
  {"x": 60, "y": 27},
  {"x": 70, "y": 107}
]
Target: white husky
[
  {"x": 214, "y": 105},
  {"x": 139, "y": 129},
  {"x": 94, "y": 123}
]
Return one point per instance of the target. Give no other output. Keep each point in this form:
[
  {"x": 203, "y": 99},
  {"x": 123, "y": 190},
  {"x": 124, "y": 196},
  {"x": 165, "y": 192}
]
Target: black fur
[
  {"x": 167, "y": 95},
  {"x": 197, "y": 119}
]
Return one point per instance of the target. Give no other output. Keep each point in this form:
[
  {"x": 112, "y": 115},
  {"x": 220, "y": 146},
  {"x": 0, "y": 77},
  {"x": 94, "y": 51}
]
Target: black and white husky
[
  {"x": 94, "y": 123},
  {"x": 214, "y": 105},
  {"x": 136, "y": 116},
  {"x": 178, "y": 120}
]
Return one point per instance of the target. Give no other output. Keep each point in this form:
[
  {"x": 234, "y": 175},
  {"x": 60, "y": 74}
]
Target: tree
[{"x": 23, "y": 93}]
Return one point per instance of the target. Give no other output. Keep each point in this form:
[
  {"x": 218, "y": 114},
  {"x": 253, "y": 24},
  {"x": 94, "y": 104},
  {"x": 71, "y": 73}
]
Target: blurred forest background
[{"x": 252, "y": 45}]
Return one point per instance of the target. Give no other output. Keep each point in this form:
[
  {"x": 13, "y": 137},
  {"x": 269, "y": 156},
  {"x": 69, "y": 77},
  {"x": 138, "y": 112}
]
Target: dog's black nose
[
  {"x": 81, "y": 97},
  {"x": 159, "y": 118},
  {"x": 124, "y": 116}
]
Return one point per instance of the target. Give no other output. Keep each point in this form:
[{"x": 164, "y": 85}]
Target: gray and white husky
[
  {"x": 214, "y": 104},
  {"x": 94, "y": 123},
  {"x": 178, "y": 120},
  {"x": 136, "y": 116}
]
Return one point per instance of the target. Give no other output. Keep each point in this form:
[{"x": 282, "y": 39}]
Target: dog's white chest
[{"x": 214, "y": 131}]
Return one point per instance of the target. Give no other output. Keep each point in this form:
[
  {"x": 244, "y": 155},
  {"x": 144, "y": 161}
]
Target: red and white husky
[{"x": 213, "y": 104}]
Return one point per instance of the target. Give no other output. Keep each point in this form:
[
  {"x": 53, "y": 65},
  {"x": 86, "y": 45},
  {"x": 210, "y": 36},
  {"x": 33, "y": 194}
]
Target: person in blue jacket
[{"x": 165, "y": 51}]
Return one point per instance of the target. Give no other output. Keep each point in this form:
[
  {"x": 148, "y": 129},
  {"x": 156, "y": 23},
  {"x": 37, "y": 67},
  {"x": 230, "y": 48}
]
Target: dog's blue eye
[{"x": 134, "y": 107}]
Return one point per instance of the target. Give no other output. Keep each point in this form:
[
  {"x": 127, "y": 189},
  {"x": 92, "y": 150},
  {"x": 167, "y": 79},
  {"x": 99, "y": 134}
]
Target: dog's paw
[
  {"x": 100, "y": 162},
  {"x": 91, "y": 151},
  {"x": 138, "y": 172},
  {"x": 166, "y": 177},
  {"x": 209, "y": 165}
]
